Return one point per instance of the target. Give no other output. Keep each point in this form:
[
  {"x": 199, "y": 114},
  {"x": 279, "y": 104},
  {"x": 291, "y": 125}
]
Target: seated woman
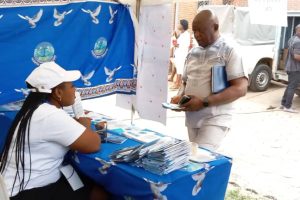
[{"x": 40, "y": 136}]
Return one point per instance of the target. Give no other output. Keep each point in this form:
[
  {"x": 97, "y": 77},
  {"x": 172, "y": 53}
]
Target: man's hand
[
  {"x": 176, "y": 99},
  {"x": 297, "y": 57},
  {"x": 194, "y": 104}
]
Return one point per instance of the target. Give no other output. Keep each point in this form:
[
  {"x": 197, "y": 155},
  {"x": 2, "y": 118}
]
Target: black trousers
[
  {"x": 294, "y": 81},
  {"x": 60, "y": 190}
]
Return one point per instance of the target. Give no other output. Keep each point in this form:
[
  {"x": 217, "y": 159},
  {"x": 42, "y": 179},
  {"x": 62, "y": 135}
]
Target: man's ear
[{"x": 216, "y": 27}]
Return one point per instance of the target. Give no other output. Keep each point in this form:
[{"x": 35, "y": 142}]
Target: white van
[{"x": 263, "y": 48}]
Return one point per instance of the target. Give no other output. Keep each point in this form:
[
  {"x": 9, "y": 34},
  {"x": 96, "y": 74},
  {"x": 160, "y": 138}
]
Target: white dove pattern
[
  {"x": 93, "y": 14},
  {"x": 111, "y": 73},
  {"x": 128, "y": 198},
  {"x": 75, "y": 158},
  {"x": 1, "y": 16},
  {"x": 33, "y": 20},
  {"x": 24, "y": 91},
  {"x": 157, "y": 188},
  {"x": 85, "y": 78},
  {"x": 199, "y": 178},
  {"x": 135, "y": 71},
  {"x": 112, "y": 15},
  {"x": 105, "y": 166},
  {"x": 60, "y": 16}
]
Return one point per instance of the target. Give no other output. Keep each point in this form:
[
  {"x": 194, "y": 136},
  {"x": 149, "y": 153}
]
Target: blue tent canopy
[{"x": 96, "y": 38}]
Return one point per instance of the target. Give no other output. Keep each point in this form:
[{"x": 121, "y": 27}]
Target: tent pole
[
  {"x": 138, "y": 9},
  {"x": 137, "y": 13}
]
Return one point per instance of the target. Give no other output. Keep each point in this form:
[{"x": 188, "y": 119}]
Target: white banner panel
[{"x": 268, "y": 12}]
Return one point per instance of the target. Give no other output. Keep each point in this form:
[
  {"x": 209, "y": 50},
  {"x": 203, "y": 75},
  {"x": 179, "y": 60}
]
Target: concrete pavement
[{"x": 264, "y": 145}]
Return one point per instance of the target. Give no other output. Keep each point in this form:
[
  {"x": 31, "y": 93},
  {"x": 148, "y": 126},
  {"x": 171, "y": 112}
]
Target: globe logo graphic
[
  {"x": 100, "y": 47},
  {"x": 44, "y": 52}
]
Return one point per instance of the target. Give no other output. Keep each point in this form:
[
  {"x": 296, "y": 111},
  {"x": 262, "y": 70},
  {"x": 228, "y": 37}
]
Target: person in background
[
  {"x": 40, "y": 136},
  {"x": 182, "y": 46},
  {"x": 293, "y": 71},
  {"x": 173, "y": 45},
  {"x": 208, "y": 116}
]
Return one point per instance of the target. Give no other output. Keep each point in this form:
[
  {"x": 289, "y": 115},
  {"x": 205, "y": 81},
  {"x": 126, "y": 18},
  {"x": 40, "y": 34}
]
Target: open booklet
[
  {"x": 171, "y": 106},
  {"x": 141, "y": 135}
]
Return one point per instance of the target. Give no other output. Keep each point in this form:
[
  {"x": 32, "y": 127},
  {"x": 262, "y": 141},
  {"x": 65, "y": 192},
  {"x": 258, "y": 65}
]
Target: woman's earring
[{"x": 59, "y": 99}]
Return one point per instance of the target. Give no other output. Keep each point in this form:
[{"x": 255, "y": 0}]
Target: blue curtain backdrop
[{"x": 96, "y": 38}]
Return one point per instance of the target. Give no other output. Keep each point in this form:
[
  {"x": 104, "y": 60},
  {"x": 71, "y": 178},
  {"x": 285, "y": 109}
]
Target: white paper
[
  {"x": 171, "y": 106},
  {"x": 77, "y": 106},
  {"x": 72, "y": 177},
  {"x": 155, "y": 30},
  {"x": 268, "y": 12},
  {"x": 200, "y": 155}
]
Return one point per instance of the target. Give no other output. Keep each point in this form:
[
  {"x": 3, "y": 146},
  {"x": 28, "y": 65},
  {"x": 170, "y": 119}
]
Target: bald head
[
  {"x": 204, "y": 19},
  {"x": 206, "y": 27},
  {"x": 297, "y": 30}
]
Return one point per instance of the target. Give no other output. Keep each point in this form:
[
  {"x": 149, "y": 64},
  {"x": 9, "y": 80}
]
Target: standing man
[
  {"x": 208, "y": 115},
  {"x": 293, "y": 71}
]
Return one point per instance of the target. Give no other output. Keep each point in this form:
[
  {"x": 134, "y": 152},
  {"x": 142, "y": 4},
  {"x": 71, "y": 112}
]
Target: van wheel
[{"x": 260, "y": 78}]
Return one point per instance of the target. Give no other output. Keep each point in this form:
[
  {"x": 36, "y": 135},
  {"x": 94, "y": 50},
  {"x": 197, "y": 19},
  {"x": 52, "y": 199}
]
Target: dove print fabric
[
  {"x": 203, "y": 180},
  {"x": 96, "y": 38}
]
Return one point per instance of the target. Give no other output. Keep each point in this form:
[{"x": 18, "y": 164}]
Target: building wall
[
  {"x": 187, "y": 11},
  {"x": 292, "y": 4}
]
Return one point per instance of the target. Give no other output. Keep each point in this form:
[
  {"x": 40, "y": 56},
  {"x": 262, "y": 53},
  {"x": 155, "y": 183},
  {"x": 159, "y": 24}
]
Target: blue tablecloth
[{"x": 205, "y": 181}]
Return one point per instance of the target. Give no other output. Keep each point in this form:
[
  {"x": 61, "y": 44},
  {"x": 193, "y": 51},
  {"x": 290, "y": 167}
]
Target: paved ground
[
  {"x": 264, "y": 144},
  {"x": 267, "y": 146}
]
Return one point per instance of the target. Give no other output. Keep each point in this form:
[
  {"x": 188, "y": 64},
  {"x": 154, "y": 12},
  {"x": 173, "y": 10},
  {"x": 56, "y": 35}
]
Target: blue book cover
[{"x": 218, "y": 79}]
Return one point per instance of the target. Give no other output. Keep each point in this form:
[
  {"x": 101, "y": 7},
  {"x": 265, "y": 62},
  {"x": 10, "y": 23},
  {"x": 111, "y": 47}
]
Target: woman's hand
[{"x": 85, "y": 121}]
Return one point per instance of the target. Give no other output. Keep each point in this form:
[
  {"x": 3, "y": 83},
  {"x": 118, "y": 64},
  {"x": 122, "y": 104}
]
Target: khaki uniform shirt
[{"x": 197, "y": 76}]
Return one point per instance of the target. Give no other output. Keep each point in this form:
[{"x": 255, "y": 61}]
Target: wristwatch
[{"x": 205, "y": 102}]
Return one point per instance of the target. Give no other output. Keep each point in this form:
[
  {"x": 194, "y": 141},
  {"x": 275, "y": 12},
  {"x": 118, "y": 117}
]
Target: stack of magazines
[
  {"x": 165, "y": 156},
  {"x": 160, "y": 157}
]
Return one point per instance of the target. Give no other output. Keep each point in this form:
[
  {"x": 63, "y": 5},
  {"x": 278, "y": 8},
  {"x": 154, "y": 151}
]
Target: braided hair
[{"x": 20, "y": 129}]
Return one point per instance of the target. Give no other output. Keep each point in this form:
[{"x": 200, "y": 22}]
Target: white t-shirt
[
  {"x": 52, "y": 130},
  {"x": 197, "y": 76}
]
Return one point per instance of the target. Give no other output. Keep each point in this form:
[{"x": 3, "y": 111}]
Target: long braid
[{"x": 21, "y": 127}]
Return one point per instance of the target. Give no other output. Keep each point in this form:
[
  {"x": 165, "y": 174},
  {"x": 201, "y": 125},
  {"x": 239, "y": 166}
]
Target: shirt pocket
[
  {"x": 198, "y": 87},
  {"x": 215, "y": 60}
]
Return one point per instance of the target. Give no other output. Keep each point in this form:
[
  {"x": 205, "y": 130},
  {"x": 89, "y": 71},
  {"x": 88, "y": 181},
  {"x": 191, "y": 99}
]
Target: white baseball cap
[{"x": 48, "y": 75}]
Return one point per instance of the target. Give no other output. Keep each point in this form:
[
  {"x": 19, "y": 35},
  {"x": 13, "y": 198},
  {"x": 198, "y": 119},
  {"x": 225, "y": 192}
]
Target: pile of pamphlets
[
  {"x": 160, "y": 157},
  {"x": 165, "y": 155}
]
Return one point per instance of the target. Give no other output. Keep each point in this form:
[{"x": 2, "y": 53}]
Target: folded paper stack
[{"x": 160, "y": 157}]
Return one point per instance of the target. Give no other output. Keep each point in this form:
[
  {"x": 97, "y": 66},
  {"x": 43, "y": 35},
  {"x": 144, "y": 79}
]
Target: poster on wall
[{"x": 96, "y": 38}]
